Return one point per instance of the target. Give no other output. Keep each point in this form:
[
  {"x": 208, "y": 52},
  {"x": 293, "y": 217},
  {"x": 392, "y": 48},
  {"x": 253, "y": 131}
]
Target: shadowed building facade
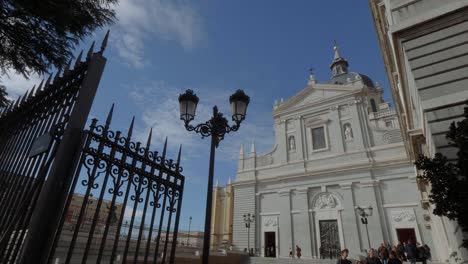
[{"x": 337, "y": 146}]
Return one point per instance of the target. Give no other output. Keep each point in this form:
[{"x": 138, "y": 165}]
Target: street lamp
[
  {"x": 216, "y": 127},
  {"x": 247, "y": 220},
  {"x": 190, "y": 223},
  {"x": 364, "y": 212}
]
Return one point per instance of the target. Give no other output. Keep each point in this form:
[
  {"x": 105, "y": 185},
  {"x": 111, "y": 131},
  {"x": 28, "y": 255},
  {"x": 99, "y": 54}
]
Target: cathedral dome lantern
[
  {"x": 340, "y": 74},
  {"x": 339, "y": 64}
]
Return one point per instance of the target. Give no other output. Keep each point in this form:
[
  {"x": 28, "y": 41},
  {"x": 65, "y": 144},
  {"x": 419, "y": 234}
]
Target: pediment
[{"x": 316, "y": 94}]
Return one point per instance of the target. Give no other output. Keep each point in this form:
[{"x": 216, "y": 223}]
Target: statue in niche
[
  {"x": 292, "y": 143},
  {"x": 348, "y": 132}
]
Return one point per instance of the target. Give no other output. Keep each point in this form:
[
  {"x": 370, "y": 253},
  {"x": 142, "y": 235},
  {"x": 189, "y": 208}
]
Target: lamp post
[
  {"x": 216, "y": 127},
  {"x": 247, "y": 220},
  {"x": 190, "y": 223},
  {"x": 365, "y": 212}
]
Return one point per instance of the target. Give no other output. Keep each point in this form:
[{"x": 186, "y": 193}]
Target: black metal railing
[
  {"x": 142, "y": 190},
  {"x": 31, "y": 134}
]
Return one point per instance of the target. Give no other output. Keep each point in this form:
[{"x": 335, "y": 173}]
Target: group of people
[
  {"x": 388, "y": 254},
  {"x": 298, "y": 252},
  {"x": 407, "y": 251}
]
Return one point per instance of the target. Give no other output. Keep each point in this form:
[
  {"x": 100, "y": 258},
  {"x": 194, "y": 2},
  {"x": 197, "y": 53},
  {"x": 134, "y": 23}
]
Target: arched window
[{"x": 373, "y": 105}]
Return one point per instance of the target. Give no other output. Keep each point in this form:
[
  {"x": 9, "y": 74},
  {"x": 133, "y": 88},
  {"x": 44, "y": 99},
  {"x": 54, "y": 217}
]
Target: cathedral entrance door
[
  {"x": 270, "y": 244},
  {"x": 329, "y": 239},
  {"x": 405, "y": 234}
]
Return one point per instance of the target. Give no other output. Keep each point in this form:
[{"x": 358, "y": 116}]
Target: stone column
[
  {"x": 335, "y": 130},
  {"x": 350, "y": 221},
  {"x": 368, "y": 197},
  {"x": 285, "y": 234},
  {"x": 300, "y": 139},
  {"x": 304, "y": 234}
]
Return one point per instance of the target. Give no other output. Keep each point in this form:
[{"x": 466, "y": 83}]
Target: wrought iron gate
[
  {"x": 44, "y": 153},
  {"x": 131, "y": 189},
  {"x": 39, "y": 135}
]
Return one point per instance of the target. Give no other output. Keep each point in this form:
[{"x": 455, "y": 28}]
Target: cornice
[
  {"x": 283, "y": 109},
  {"x": 346, "y": 185},
  {"x": 370, "y": 183}
]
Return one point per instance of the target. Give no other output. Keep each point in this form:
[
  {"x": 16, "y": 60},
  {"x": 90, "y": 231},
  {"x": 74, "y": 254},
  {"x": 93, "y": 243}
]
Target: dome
[{"x": 351, "y": 77}]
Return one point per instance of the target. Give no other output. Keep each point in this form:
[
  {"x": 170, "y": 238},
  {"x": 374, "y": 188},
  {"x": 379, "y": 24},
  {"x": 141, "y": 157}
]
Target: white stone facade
[{"x": 308, "y": 183}]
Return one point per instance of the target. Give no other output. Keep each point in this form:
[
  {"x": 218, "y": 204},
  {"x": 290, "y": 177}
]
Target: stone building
[
  {"x": 337, "y": 146},
  {"x": 221, "y": 215},
  {"x": 425, "y": 51}
]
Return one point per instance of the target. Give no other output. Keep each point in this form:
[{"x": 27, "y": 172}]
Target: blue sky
[{"x": 158, "y": 49}]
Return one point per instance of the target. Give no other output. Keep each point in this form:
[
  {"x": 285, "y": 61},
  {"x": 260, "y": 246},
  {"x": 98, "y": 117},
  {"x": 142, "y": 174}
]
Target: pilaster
[
  {"x": 300, "y": 140},
  {"x": 336, "y": 130},
  {"x": 303, "y": 236},
  {"x": 350, "y": 220},
  {"x": 285, "y": 227},
  {"x": 374, "y": 221}
]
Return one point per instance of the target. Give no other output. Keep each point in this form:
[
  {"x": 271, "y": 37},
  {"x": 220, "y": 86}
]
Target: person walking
[
  {"x": 411, "y": 251},
  {"x": 298, "y": 252},
  {"x": 393, "y": 258},
  {"x": 372, "y": 258},
  {"x": 422, "y": 255},
  {"x": 291, "y": 255},
  {"x": 428, "y": 251},
  {"x": 343, "y": 259},
  {"x": 388, "y": 245},
  {"x": 400, "y": 250}
]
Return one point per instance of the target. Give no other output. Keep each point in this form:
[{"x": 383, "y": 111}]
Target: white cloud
[
  {"x": 17, "y": 85},
  {"x": 159, "y": 104},
  {"x": 140, "y": 20}
]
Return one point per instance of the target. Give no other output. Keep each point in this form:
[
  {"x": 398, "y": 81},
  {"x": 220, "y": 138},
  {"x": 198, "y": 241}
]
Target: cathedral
[{"x": 338, "y": 175}]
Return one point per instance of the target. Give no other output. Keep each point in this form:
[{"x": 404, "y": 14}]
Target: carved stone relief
[
  {"x": 270, "y": 221},
  {"x": 403, "y": 216},
  {"x": 325, "y": 201}
]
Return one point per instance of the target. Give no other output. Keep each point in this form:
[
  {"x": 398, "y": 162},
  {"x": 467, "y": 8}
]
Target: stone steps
[{"x": 259, "y": 260}]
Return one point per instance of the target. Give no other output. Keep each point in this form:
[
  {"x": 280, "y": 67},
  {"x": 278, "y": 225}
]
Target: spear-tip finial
[
  {"x": 164, "y": 149},
  {"x": 24, "y": 97},
  {"x": 47, "y": 84},
  {"x": 17, "y": 101},
  {"x": 57, "y": 75},
  {"x": 67, "y": 67},
  {"x": 109, "y": 116},
  {"x": 40, "y": 86},
  {"x": 90, "y": 52},
  {"x": 78, "y": 59},
  {"x": 104, "y": 42},
  {"x": 148, "y": 142},
  {"x": 130, "y": 129},
  {"x": 179, "y": 154},
  {"x": 32, "y": 92},
  {"x": 241, "y": 152}
]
